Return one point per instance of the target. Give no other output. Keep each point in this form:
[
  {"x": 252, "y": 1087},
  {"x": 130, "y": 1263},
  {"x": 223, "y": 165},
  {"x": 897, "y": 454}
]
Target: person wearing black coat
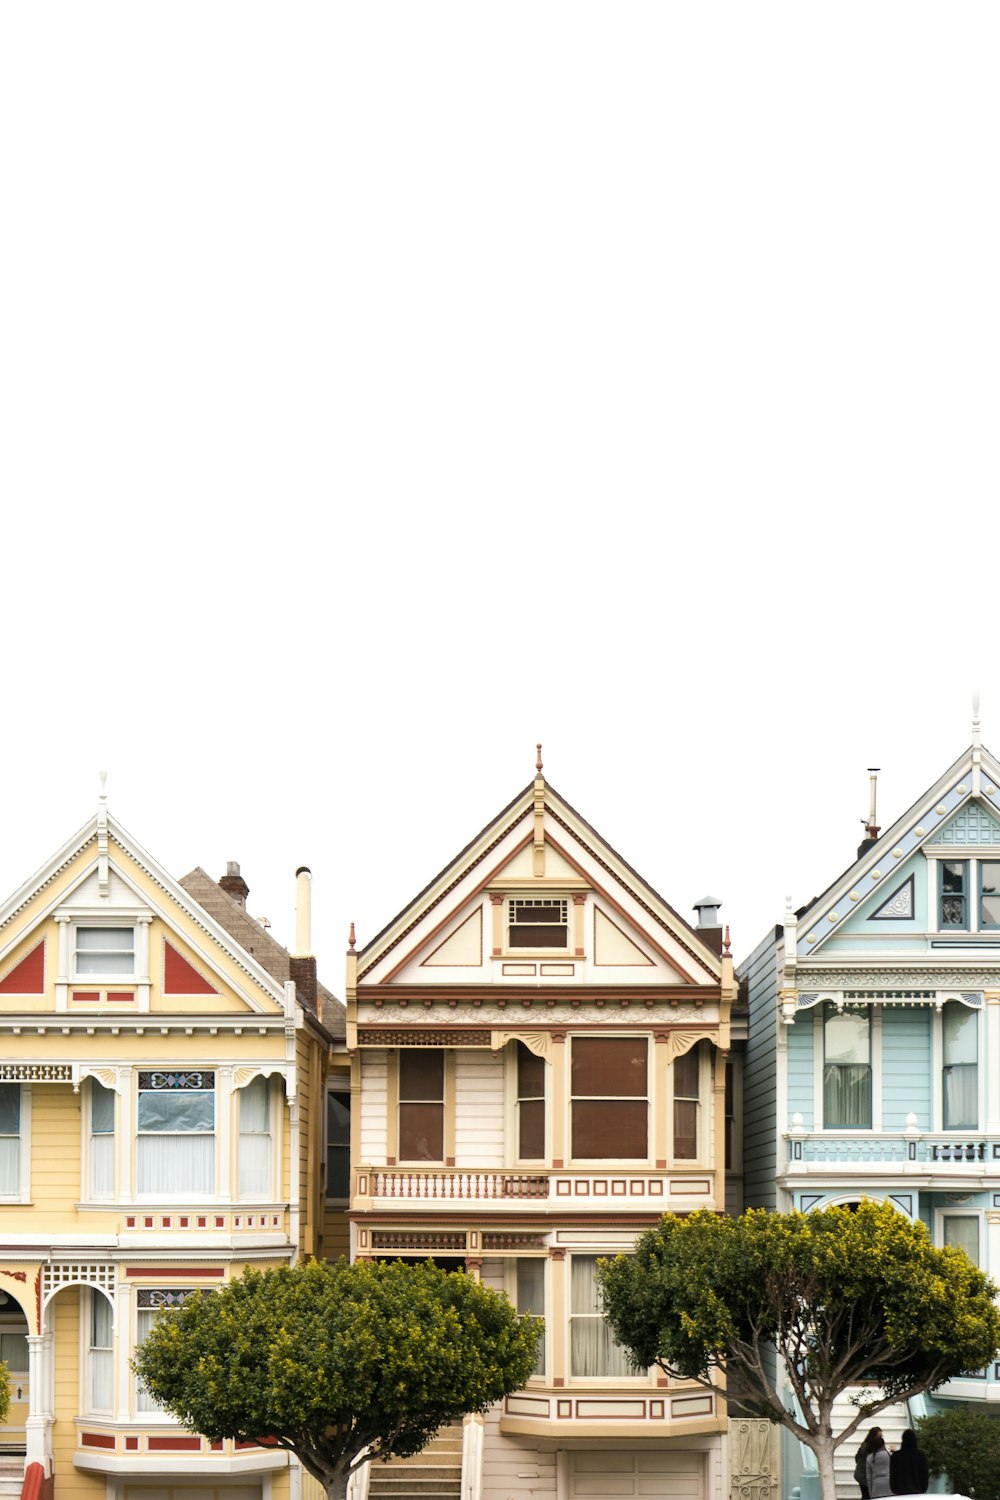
[{"x": 908, "y": 1471}]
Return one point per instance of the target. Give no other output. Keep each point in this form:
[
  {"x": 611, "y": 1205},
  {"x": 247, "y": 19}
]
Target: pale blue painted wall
[
  {"x": 906, "y": 1066},
  {"x": 860, "y": 921},
  {"x": 800, "y": 1068}
]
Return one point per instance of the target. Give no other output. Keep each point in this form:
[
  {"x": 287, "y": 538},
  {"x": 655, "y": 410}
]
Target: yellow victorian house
[{"x": 165, "y": 1067}]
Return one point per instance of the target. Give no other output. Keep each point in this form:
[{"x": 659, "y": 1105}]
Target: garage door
[{"x": 609, "y": 1476}]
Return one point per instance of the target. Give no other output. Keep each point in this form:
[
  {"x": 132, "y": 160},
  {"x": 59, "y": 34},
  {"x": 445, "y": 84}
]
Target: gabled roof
[
  {"x": 974, "y": 776},
  {"x": 475, "y": 857},
  {"x": 258, "y": 942}
]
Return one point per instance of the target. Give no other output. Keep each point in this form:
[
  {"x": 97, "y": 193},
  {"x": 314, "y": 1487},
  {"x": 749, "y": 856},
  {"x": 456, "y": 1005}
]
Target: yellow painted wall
[{"x": 64, "y": 1319}]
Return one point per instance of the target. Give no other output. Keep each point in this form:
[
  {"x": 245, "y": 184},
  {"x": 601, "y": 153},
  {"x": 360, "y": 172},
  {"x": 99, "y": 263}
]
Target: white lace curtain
[{"x": 593, "y": 1350}]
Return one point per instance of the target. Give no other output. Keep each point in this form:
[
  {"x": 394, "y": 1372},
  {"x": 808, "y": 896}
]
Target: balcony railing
[
  {"x": 903, "y": 1149},
  {"x": 452, "y": 1185}
]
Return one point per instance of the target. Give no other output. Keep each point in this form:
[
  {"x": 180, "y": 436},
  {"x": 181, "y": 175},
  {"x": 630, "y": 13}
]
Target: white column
[
  {"x": 142, "y": 961},
  {"x": 224, "y": 1096},
  {"x": 38, "y": 1427},
  {"x": 123, "y": 1341},
  {"x": 62, "y": 962}
]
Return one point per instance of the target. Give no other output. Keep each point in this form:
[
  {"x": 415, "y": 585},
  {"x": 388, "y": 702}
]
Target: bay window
[
  {"x": 687, "y": 1093},
  {"x": 960, "y": 1072},
  {"x": 256, "y": 1159},
  {"x": 421, "y": 1104},
  {"x": 176, "y": 1128},
  {"x": 609, "y": 1098},
  {"x": 529, "y": 1297},
  {"x": 100, "y": 1367},
  {"x": 10, "y": 1140},
  {"x": 151, "y": 1301},
  {"x": 847, "y": 1073},
  {"x": 593, "y": 1350},
  {"x": 530, "y": 1105},
  {"x": 101, "y": 1152}
]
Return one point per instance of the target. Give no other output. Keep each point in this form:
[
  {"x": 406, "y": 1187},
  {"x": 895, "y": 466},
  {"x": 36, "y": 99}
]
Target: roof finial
[
  {"x": 102, "y": 795},
  {"x": 538, "y": 761},
  {"x": 976, "y": 728},
  {"x": 351, "y": 940},
  {"x": 103, "y": 878},
  {"x": 725, "y": 939}
]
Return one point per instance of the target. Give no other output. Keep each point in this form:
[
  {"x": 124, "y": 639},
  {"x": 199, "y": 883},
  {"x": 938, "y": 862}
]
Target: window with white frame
[
  {"x": 107, "y": 951},
  {"x": 151, "y": 1301},
  {"x": 338, "y": 1144},
  {"x": 176, "y": 1132},
  {"x": 101, "y": 1142},
  {"x": 421, "y": 1104},
  {"x": 610, "y": 1106},
  {"x": 962, "y": 1232},
  {"x": 593, "y": 1350},
  {"x": 529, "y": 1297},
  {"x": 847, "y": 1072},
  {"x": 960, "y": 1069},
  {"x": 100, "y": 1360},
  {"x": 256, "y": 1159},
  {"x": 10, "y": 1140},
  {"x": 537, "y": 922}
]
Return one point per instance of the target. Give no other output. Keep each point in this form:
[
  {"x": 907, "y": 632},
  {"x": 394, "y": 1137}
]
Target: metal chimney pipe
[{"x": 303, "y": 911}]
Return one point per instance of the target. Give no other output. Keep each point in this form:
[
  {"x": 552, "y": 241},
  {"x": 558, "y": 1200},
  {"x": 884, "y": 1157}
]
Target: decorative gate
[{"x": 753, "y": 1459}]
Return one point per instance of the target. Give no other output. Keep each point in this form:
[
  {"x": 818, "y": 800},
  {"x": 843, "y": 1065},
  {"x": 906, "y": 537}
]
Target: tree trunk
[
  {"x": 823, "y": 1449},
  {"x": 336, "y": 1484}
]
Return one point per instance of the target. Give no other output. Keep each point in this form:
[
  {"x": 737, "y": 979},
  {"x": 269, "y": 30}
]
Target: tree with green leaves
[
  {"x": 4, "y": 1391},
  {"x": 339, "y": 1364},
  {"x": 840, "y": 1295},
  {"x": 965, "y": 1445}
]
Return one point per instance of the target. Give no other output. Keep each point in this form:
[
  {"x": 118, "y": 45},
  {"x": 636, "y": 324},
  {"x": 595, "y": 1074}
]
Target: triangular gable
[
  {"x": 181, "y": 977},
  {"x": 973, "y": 824},
  {"x": 613, "y": 948},
  {"x": 969, "y": 789},
  {"x": 28, "y": 976},
  {"x": 898, "y": 905},
  {"x": 461, "y": 949}
]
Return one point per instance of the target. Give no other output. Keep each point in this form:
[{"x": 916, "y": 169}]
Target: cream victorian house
[
  {"x": 162, "y": 1122},
  {"x": 539, "y": 1058}
]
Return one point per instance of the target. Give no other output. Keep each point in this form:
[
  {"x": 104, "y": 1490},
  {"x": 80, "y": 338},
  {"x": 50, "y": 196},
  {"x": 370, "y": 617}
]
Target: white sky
[{"x": 384, "y": 387}]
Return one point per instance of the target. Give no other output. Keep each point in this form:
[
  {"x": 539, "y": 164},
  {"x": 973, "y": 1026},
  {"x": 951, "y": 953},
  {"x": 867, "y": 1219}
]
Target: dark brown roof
[{"x": 258, "y": 942}]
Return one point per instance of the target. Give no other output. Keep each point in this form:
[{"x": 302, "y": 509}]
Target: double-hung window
[
  {"x": 960, "y": 1072},
  {"x": 610, "y": 1109},
  {"x": 338, "y": 1144},
  {"x": 100, "y": 1367},
  {"x": 530, "y": 1105},
  {"x": 256, "y": 1160},
  {"x": 108, "y": 951},
  {"x": 537, "y": 922},
  {"x": 593, "y": 1350},
  {"x": 101, "y": 1146},
  {"x": 421, "y": 1104},
  {"x": 529, "y": 1297},
  {"x": 10, "y": 1140},
  {"x": 176, "y": 1125},
  {"x": 962, "y": 1231},
  {"x": 847, "y": 1072},
  {"x": 687, "y": 1093}
]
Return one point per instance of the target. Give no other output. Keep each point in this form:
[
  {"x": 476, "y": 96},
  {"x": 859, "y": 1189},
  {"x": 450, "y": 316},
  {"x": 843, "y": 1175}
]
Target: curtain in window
[
  {"x": 255, "y": 1141},
  {"x": 101, "y": 1365},
  {"x": 145, "y": 1318},
  {"x": 593, "y": 1350},
  {"x": 531, "y": 1299},
  {"x": 10, "y": 1139},
  {"x": 960, "y": 1074},
  {"x": 14, "y": 1352},
  {"x": 962, "y": 1231},
  {"x": 102, "y": 1140},
  {"x": 176, "y": 1141},
  {"x": 847, "y": 1070}
]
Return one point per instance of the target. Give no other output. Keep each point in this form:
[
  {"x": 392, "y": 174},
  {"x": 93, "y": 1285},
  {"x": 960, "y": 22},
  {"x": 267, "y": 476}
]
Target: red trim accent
[
  {"x": 86, "y": 997},
  {"x": 27, "y": 977},
  {"x": 36, "y": 1486},
  {"x": 173, "y": 1445},
  {"x": 217, "y": 1447},
  {"x": 131, "y": 1445},
  {"x": 176, "y": 1273},
  {"x": 181, "y": 977},
  {"x": 97, "y": 1439},
  {"x": 128, "y": 996}
]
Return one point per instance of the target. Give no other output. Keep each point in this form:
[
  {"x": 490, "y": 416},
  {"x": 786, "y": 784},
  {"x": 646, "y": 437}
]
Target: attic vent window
[
  {"x": 105, "y": 950},
  {"x": 538, "y": 922}
]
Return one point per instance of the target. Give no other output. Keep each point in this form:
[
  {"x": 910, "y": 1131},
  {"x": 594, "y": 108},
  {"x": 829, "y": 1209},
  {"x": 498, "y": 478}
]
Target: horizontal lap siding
[
  {"x": 374, "y": 1107},
  {"x": 759, "y": 1079},
  {"x": 906, "y": 1067},
  {"x": 479, "y": 1109},
  {"x": 512, "y": 1468},
  {"x": 55, "y": 1146},
  {"x": 801, "y": 1039}
]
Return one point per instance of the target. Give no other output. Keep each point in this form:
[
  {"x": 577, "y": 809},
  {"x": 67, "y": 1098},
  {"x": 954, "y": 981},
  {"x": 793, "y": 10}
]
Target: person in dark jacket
[
  {"x": 861, "y": 1461},
  {"x": 908, "y": 1471}
]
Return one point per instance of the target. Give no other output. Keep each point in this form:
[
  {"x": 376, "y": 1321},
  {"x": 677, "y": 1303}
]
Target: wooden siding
[
  {"x": 479, "y": 1109},
  {"x": 512, "y": 1466},
  {"x": 906, "y": 1067},
  {"x": 760, "y": 1076},
  {"x": 55, "y": 1148},
  {"x": 801, "y": 1039},
  {"x": 374, "y": 1107}
]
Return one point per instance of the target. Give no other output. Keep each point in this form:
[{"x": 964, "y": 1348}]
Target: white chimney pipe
[{"x": 303, "y": 912}]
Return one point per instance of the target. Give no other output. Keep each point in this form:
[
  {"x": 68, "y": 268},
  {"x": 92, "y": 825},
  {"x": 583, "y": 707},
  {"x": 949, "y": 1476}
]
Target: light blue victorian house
[{"x": 873, "y": 1060}]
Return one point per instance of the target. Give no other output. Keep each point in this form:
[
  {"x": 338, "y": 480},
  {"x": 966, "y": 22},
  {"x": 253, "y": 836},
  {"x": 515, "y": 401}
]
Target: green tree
[
  {"x": 4, "y": 1391},
  {"x": 337, "y": 1363},
  {"x": 841, "y": 1296},
  {"x": 965, "y": 1445}
]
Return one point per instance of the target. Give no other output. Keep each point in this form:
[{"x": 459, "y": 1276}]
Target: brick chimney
[
  {"x": 234, "y": 885},
  {"x": 302, "y": 963}
]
